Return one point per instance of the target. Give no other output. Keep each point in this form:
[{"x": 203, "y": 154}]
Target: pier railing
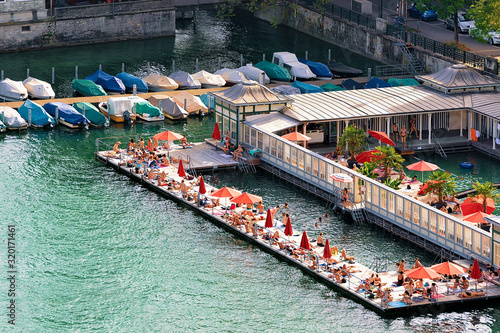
[{"x": 400, "y": 209}]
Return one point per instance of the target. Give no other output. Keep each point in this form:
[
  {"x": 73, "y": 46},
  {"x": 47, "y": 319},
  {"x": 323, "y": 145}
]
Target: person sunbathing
[
  {"x": 115, "y": 147},
  {"x": 331, "y": 260},
  {"x": 470, "y": 294},
  {"x": 335, "y": 250},
  {"x": 238, "y": 153},
  {"x": 464, "y": 284},
  {"x": 319, "y": 240},
  {"x": 346, "y": 257},
  {"x": 363, "y": 285},
  {"x": 165, "y": 145},
  {"x": 455, "y": 285},
  {"x": 260, "y": 208},
  {"x": 407, "y": 297}
]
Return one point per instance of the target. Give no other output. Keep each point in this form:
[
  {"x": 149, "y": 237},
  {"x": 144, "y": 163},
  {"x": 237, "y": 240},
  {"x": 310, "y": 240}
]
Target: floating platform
[
  {"x": 219, "y": 215},
  {"x": 204, "y": 157}
]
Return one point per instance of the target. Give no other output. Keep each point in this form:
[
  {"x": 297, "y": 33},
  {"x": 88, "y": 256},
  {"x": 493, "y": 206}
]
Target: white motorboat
[
  {"x": 294, "y": 66},
  {"x": 170, "y": 109},
  {"x": 12, "y": 91},
  {"x": 232, "y": 76},
  {"x": 185, "y": 80},
  {"x": 253, "y": 73},
  {"x": 209, "y": 80},
  {"x": 38, "y": 89},
  {"x": 12, "y": 119},
  {"x": 157, "y": 82}
]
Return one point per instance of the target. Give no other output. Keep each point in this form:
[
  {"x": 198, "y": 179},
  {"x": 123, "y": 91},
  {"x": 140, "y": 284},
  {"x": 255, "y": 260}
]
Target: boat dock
[{"x": 286, "y": 248}]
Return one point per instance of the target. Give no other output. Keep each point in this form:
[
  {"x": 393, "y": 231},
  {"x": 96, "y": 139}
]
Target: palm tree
[
  {"x": 441, "y": 183},
  {"x": 388, "y": 158},
  {"x": 354, "y": 138},
  {"x": 367, "y": 170},
  {"x": 485, "y": 191}
]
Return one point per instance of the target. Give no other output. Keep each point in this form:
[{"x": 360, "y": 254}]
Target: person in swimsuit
[
  {"x": 403, "y": 135},
  {"x": 401, "y": 279},
  {"x": 413, "y": 127},
  {"x": 468, "y": 294},
  {"x": 395, "y": 132},
  {"x": 319, "y": 240}
]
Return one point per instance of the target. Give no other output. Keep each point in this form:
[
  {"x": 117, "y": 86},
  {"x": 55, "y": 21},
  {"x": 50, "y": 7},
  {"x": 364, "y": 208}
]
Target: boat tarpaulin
[
  {"x": 39, "y": 117},
  {"x": 66, "y": 113}
]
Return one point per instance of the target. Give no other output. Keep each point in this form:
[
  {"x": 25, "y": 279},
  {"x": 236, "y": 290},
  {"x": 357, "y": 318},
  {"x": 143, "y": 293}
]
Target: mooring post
[
  {"x": 173, "y": 66},
  {"x": 76, "y": 72},
  {"x": 219, "y": 63},
  {"x": 123, "y": 67},
  {"x": 185, "y": 104},
  {"x": 307, "y": 55},
  {"x": 53, "y": 75},
  {"x": 329, "y": 55},
  {"x": 263, "y": 57},
  {"x": 27, "y": 72},
  {"x": 100, "y": 67},
  {"x": 241, "y": 60},
  {"x": 57, "y": 115},
  {"x": 134, "y": 89},
  {"x": 83, "y": 109},
  {"x": 29, "y": 117},
  {"x": 370, "y": 74},
  {"x": 149, "y": 68},
  {"x": 196, "y": 70},
  {"x": 1, "y": 75}
]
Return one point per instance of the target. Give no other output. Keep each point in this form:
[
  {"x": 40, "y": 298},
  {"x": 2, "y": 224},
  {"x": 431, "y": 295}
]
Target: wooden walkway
[{"x": 204, "y": 157}]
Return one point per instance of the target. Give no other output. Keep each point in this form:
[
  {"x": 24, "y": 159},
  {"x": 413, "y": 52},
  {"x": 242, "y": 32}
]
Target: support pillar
[
  {"x": 421, "y": 125},
  {"x": 304, "y": 132},
  {"x": 388, "y": 129},
  {"x": 346, "y": 143},
  {"x": 429, "y": 125},
  {"x": 494, "y": 134},
  {"x": 470, "y": 125},
  {"x": 462, "y": 123},
  {"x": 338, "y": 131}
]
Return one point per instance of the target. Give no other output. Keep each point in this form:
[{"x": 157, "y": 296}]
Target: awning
[{"x": 271, "y": 122}]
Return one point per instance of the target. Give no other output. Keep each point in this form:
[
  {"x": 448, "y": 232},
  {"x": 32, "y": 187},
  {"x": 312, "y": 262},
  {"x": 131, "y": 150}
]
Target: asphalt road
[{"x": 431, "y": 29}]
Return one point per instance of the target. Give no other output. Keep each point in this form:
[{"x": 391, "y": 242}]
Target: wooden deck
[{"x": 204, "y": 157}]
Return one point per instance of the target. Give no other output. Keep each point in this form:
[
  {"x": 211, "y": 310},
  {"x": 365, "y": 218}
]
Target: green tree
[
  {"x": 485, "y": 191},
  {"x": 354, "y": 138},
  {"x": 486, "y": 14},
  {"x": 446, "y": 8},
  {"x": 367, "y": 170},
  {"x": 388, "y": 158},
  {"x": 441, "y": 183},
  {"x": 393, "y": 183}
]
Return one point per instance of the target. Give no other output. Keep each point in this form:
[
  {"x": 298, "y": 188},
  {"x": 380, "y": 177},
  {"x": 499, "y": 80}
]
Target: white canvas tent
[
  {"x": 232, "y": 76},
  {"x": 185, "y": 80},
  {"x": 169, "y": 108}
]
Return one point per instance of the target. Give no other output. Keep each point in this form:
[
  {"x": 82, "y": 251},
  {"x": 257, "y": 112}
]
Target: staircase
[
  {"x": 190, "y": 168},
  {"x": 243, "y": 164},
  {"x": 414, "y": 65},
  {"x": 438, "y": 149}
]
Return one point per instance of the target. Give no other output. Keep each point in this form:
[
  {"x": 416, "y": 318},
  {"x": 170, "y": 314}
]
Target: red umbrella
[
  {"x": 367, "y": 156},
  {"x": 475, "y": 204},
  {"x": 288, "y": 228},
  {"x": 476, "y": 271},
  {"x": 304, "y": 241},
  {"x": 327, "y": 252},
  {"x": 168, "y": 136},
  {"x": 296, "y": 136},
  {"x": 246, "y": 198},
  {"x": 382, "y": 137},
  {"x": 216, "y": 132},
  {"x": 448, "y": 268},
  {"x": 422, "y": 273},
  {"x": 269, "y": 220},
  {"x": 181, "y": 171},
  {"x": 477, "y": 217},
  {"x": 422, "y": 166},
  {"x": 202, "y": 189}
]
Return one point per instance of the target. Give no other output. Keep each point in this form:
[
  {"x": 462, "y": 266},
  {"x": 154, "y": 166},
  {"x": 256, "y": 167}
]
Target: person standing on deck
[
  {"x": 413, "y": 127},
  {"x": 403, "y": 135},
  {"x": 395, "y": 132}
]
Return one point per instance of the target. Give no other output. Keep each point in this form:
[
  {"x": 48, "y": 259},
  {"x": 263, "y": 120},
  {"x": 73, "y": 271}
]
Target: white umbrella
[{"x": 341, "y": 177}]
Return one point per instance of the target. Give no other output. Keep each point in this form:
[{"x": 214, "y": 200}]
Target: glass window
[
  {"x": 450, "y": 229},
  {"x": 287, "y": 153},
  {"x": 280, "y": 149},
  {"x": 486, "y": 245},
  {"x": 329, "y": 171},
  {"x": 273, "y": 146},
  {"x": 322, "y": 174},
  {"x": 266, "y": 143},
  {"x": 408, "y": 210},
  {"x": 246, "y": 131},
  {"x": 425, "y": 218},
  {"x": 416, "y": 214},
  {"x": 467, "y": 238},
  {"x": 383, "y": 199},
  {"x": 391, "y": 203},
  {"x": 259, "y": 140},
  {"x": 432, "y": 218},
  {"x": 399, "y": 206},
  {"x": 233, "y": 129},
  {"x": 459, "y": 233},
  {"x": 369, "y": 192},
  {"x": 477, "y": 242},
  {"x": 375, "y": 190},
  {"x": 308, "y": 163},
  {"x": 253, "y": 137},
  {"x": 441, "y": 226},
  {"x": 293, "y": 154},
  {"x": 315, "y": 166},
  {"x": 300, "y": 158}
]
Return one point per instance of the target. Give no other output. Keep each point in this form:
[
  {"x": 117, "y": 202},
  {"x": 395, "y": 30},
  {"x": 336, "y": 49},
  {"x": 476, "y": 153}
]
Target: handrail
[{"x": 440, "y": 149}]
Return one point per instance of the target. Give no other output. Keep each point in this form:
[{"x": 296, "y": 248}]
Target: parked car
[
  {"x": 492, "y": 37},
  {"x": 465, "y": 23},
  {"x": 427, "y": 15}
]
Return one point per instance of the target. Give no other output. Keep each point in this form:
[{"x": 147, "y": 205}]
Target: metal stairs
[
  {"x": 409, "y": 58},
  {"x": 191, "y": 169},
  {"x": 243, "y": 164},
  {"x": 438, "y": 149},
  {"x": 357, "y": 215}
]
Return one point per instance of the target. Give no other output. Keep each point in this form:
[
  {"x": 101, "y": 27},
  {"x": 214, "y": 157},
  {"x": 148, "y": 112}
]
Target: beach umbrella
[
  {"x": 477, "y": 217},
  {"x": 341, "y": 177},
  {"x": 216, "y": 132},
  {"x": 269, "y": 220},
  {"x": 448, "y": 268},
  {"x": 422, "y": 273},
  {"x": 382, "y": 137},
  {"x": 202, "y": 189},
  {"x": 327, "y": 252},
  {"x": 367, "y": 156},
  {"x": 475, "y": 204},
  {"x": 225, "y": 192},
  {"x": 168, "y": 136},
  {"x": 181, "y": 171},
  {"x": 288, "y": 228},
  {"x": 422, "y": 166},
  {"x": 476, "y": 271},
  {"x": 246, "y": 198},
  {"x": 304, "y": 241},
  {"x": 296, "y": 136}
]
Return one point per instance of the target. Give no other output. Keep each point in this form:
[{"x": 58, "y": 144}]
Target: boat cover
[
  {"x": 39, "y": 117},
  {"x": 2, "y": 127},
  {"x": 11, "y": 118},
  {"x": 338, "y": 69},
  {"x": 209, "y": 79},
  {"x": 118, "y": 105},
  {"x": 253, "y": 73},
  {"x": 286, "y": 90},
  {"x": 158, "y": 82},
  {"x": 38, "y": 88},
  {"x": 403, "y": 82},
  {"x": 13, "y": 90},
  {"x": 189, "y": 102},
  {"x": 350, "y": 84},
  {"x": 88, "y": 88},
  {"x": 168, "y": 106},
  {"x": 185, "y": 80},
  {"x": 107, "y": 82},
  {"x": 91, "y": 113},
  {"x": 129, "y": 80},
  {"x": 67, "y": 113},
  {"x": 318, "y": 68},
  {"x": 375, "y": 82},
  {"x": 331, "y": 87},
  {"x": 297, "y": 69},
  {"x": 207, "y": 100},
  {"x": 231, "y": 75},
  {"x": 273, "y": 71},
  {"x": 144, "y": 107},
  {"x": 306, "y": 88}
]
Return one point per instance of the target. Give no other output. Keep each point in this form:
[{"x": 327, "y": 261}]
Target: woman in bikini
[
  {"x": 403, "y": 135},
  {"x": 413, "y": 127}
]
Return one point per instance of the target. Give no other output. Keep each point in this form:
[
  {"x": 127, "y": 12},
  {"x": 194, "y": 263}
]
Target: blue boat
[
  {"x": 306, "y": 88},
  {"x": 66, "y": 115},
  {"x": 375, "y": 82},
  {"x": 109, "y": 83},
  {"x": 321, "y": 70},
  {"x": 129, "y": 80},
  {"x": 350, "y": 84},
  {"x": 39, "y": 117}
]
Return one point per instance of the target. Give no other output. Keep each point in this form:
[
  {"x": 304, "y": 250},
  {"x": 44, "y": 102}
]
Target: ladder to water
[
  {"x": 357, "y": 215},
  {"x": 244, "y": 166},
  {"x": 438, "y": 149},
  {"x": 191, "y": 169}
]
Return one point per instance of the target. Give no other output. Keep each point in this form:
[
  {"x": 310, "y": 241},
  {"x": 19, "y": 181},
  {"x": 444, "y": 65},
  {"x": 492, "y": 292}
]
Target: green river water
[{"x": 98, "y": 252}]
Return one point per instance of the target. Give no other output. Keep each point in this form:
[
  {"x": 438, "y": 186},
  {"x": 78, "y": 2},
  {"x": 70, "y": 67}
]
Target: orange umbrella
[
  {"x": 475, "y": 204},
  {"x": 246, "y": 198},
  {"x": 382, "y": 137},
  {"x": 422, "y": 273},
  {"x": 422, "y": 166},
  {"x": 216, "y": 132},
  {"x": 288, "y": 228},
  {"x": 181, "y": 171},
  {"x": 327, "y": 252},
  {"x": 202, "y": 189},
  {"x": 477, "y": 217},
  {"x": 448, "y": 268},
  {"x": 296, "y": 136},
  {"x": 225, "y": 192},
  {"x": 168, "y": 136},
  {"x": 304, "y": 241},
  {"x": 269, "y": 220}
]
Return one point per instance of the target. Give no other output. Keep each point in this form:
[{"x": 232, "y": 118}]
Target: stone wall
[{"x": 20, "y": 11}]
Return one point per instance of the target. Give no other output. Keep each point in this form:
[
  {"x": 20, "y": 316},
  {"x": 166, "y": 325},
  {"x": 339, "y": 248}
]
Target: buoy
[{"x": 466, "y": 165}]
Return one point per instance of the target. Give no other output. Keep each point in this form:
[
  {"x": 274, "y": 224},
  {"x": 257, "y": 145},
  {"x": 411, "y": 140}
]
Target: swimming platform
[{"x": 220, "y": 215}]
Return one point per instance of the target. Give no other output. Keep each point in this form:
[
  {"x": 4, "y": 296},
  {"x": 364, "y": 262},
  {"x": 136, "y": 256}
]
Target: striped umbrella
[{"x": 341, "y": 177}]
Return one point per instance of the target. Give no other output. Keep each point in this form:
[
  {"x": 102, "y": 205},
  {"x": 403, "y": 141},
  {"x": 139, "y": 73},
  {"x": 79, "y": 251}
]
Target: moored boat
[
  {"x": 185, "y": 80},
  {"x": 170, "y": 109},
  {"x": 338, "y": 69},
  {"x": 192, "y": 104},
  {"x": 158, "y": 82},
  {"x": 297, "y": 69},
  {"x": 12, "y": 119},
  {"x": 96, "y": 118},
  {"x": 38, "y": 89},
  {"x": 331, "y": 87},
  {"x": 35, "y": 115},
  {"x": 319, "y": 69},
  {"x": 147, "y": 111},
  {"x": 232, "y": 76},
  {"x": 120, "y": 109},
  {"x": 12, "y": 91},
  {"x": 306, "y": 88},
  {"x": 254, "y": 73},
  {"x": 109, "y": 83},
  {"x": 209, "y": 80},
  {"x": 375, "y": 82},
  {"x": 3, "y": 128},
  {"x": 66, "y": 115},
  {"x": 286, "y": 90},
  {"x": 88, "y": 88},
  {"x": 273, "y": 71},
  {"x": 130, "y": 80},
  {"x": 350, "y": 84}
]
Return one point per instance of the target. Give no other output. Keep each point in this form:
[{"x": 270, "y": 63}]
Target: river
[{"x": 98, "y": 252}]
